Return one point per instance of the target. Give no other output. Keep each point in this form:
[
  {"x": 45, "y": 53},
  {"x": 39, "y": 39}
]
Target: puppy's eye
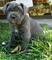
[{"x": 9, "y": 9}]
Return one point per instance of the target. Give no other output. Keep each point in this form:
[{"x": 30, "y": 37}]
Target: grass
[{"x": 37, "y": 50}]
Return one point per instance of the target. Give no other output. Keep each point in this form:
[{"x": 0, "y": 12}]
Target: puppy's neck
[{"x": 25, "y": 20}]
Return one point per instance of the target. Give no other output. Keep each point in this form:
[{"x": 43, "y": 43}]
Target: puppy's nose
[{"x": 13, "y": 16}]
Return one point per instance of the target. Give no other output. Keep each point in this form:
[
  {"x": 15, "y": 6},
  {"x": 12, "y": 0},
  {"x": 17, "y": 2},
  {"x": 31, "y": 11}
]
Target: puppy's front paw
[{"x": 3, "y": 43}]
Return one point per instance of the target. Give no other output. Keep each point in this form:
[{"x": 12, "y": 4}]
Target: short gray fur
[{"x": 22, "y": 26}]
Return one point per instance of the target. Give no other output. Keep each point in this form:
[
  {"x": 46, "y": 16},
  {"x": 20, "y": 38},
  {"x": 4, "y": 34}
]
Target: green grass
[{"x": 37, "y": 49}]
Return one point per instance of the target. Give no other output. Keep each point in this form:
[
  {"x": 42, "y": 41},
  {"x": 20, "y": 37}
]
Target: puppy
[{"x": 22, "y": 26}]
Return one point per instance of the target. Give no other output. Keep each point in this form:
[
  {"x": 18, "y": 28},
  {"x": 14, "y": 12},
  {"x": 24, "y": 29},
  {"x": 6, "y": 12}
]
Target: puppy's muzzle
[{"x": 13, "y": 16}]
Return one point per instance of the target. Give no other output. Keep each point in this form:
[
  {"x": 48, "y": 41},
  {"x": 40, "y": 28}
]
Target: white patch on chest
[{"x": 16, "y": 30}]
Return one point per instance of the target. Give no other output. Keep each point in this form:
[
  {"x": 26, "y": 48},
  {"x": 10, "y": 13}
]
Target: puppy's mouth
[{"x": 15, "y": 22}]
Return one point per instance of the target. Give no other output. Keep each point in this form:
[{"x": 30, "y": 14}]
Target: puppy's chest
[{"x": 15, "y": 29}]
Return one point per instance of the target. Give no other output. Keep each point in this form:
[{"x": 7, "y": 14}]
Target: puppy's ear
[
  {"x": 25, "y": 9},
  {"x": 4, "y": 9}
]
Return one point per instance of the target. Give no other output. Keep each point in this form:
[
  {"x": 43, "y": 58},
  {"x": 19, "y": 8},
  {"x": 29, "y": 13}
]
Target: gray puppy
[{"x": 22, "y": 26}]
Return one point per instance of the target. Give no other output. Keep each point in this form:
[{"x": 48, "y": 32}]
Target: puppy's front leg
[
  {"x": 24, "y": 43},
  {"x": 10, "y": 41},
  {"x": 12, "y": 37},
  {"x": 25, "y": 40}
]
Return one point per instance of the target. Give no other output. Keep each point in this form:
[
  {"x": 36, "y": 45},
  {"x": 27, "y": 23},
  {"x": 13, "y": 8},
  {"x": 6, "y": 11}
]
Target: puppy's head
[{"x": 15, "y": 12}]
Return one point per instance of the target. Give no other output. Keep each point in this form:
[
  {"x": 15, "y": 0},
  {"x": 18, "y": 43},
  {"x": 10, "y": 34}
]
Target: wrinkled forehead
[{"x": 14, "y": 3}]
